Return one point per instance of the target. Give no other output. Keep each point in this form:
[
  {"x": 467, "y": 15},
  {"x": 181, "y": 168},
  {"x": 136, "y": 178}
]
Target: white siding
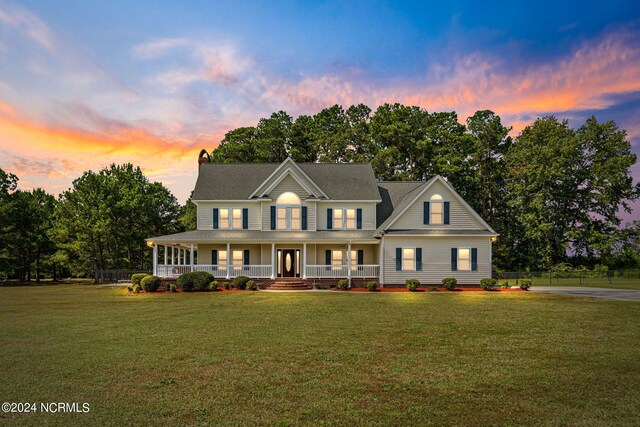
[
  {"x": 205, "y": 213},
  {"x": 436, "y": 259},
  {"x": 413, "y": 217},
  {"x": 288, "y": 184},
  {"x": 288, "y": 181},
  {"x": 368, "y": 213}
]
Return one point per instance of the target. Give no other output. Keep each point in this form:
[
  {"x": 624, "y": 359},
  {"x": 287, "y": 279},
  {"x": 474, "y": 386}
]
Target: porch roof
[
  {"x": 440, "y": 232},
  {"x": 207, "y": 236}
]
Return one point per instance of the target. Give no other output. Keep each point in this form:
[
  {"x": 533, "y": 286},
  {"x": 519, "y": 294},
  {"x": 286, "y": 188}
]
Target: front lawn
[{"x": 466, "y": 358}]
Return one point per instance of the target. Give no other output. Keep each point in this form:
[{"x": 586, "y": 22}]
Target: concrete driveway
[{"x": 616, "y": 294}]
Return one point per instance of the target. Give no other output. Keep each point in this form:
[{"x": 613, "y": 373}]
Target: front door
[{"x": 288, "y": 263}]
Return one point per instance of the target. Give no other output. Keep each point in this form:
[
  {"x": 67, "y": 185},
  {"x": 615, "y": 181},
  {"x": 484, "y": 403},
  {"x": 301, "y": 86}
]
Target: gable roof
[
  {"x": 413, "y": 195},
  {"x": 288, "y": 168},
  {"x": 392, "y": 193},
  {"x": 238, "y": 181}
]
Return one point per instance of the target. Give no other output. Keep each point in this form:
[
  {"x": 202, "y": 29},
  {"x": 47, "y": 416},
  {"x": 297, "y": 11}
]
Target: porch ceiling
[{"x": 258, "y": 236}]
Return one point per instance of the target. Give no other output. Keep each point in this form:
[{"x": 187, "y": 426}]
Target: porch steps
[{"x": 290, "y": 285}]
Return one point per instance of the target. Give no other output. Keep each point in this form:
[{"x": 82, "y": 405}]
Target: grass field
[
  {"x": 472, "y": 358},
  {"x": 590, "y": 282}
]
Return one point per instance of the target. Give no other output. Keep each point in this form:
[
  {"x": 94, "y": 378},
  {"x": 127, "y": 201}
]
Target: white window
[
  {"x": 237, "y": 219},
  {"x": 238, "y": 257},
  {"x": 464, "y": 259},
  {"x": 351, "y": 219},
  {"x": 354, "y": 259},
  {"x": 222, "y": 257},
  {"x": 296, "y": 220},
  {"x": 336, "y": 257},
  {"x": 288, "y": 198},
  {"x": 224, "y": 218},
  {"x": 282, "y": 219},
  {"x": 408, "y": 259},
  {"x": 436, "y": 210},
  {"x": 337, "y": 219}
]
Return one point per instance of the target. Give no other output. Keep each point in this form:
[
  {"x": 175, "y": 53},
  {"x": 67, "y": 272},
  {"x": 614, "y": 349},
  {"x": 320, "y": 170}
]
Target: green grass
[
  {"x": 590, "y": 282},
  {"x": 472, "y": 358}
]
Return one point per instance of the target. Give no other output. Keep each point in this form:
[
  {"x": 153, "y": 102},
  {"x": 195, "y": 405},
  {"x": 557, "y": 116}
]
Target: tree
[
  {"x": 189, "y": 216},
  {"x": 303, "y": 145},
  {"x": 272, "y": 138},
  {"x": 102, "y": 221},
  {"x": 238, "y": 146}
]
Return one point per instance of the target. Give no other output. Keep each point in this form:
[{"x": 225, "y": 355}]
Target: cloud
[{"x": 23, "y": 21}]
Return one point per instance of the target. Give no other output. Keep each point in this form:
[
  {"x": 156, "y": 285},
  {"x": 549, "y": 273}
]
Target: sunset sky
[{"x": 84, "y": 84}]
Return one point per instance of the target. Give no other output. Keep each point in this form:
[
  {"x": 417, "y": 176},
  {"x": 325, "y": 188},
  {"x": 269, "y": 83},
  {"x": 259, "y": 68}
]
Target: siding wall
[
  {"x": 288, "y": 184},
  {"x": 319, "y": 257},
  {"x": 413, "y": 217},
  {"x": 436, "y": 259},
  {"x": 255, "y": 255},
  {"x": 205, "y": 213},
  {"x": 368, "y": 213}
]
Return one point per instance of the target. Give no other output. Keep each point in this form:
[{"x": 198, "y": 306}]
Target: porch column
[
  {"x": 349, "y": 263},
  {"x": 155, "y": 259},
  {"x": 304, "y": 260},
  {"x": 273, "y": 260},
  {"x": 381, "y": 264},
  {"x": 191, "y": 257},
  {"x": 228, "y": 260},
  {"x": 173, "y": 255},
  {"x": 165, "y": 254}
]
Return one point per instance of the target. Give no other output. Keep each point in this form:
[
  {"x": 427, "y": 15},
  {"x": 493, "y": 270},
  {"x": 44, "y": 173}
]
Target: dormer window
[
  {"x": 289, "y": 213},
  {"x": 436, "y": 210}
]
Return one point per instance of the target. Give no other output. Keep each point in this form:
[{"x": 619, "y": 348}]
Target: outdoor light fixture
[
  {"x": 494, "y": 238},
  {"x": 150, "y": 243}
]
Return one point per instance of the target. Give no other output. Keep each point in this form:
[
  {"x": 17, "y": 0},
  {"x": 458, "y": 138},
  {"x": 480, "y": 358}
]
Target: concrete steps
[{"x": 290, "y": 285}]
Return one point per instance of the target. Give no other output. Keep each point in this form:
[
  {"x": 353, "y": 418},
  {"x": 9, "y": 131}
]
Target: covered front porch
[{"x": 259, "y": 260}]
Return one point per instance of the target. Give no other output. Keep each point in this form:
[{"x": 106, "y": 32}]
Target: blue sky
[{"x": 84, "y": 83}]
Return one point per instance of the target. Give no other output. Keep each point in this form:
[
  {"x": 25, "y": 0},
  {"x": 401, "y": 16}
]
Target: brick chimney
[{"x": 203, "y": 157}]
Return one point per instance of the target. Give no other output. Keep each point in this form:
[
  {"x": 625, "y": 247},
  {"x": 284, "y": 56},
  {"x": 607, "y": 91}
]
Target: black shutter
[
  {"x": 245, "y": 257},
  {"x": 418, "y": 259},
  {"x": 273, "y": 217},
  {"x": 474, "y": 259},
  {"x": 214, "y": 256},
  {"x": 398, "y": 259},
  {"x": 359, "y": 218},
  {"x": 304, "y": 217},
  {"x": 454, "y": 259},
  {"x": 446, "y": 213},
  {"x": 215, "y": 218},
  {"x": 360, "y": 256},
  {"x": 245, "y": 218},
  {"x": 329, "y": 218},
  {"x": 327, "y": 257},
  {"x": 426, "y": 213}
]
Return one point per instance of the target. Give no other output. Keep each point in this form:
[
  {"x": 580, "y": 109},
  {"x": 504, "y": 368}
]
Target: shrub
[
  {"x": 412, "y": 284},
  {"x": 504, "y": 285},
  {"x": 196, "y": 281},
  {"x": 372, "y": 286},
  {"x": 449, "y": 283},
  {"x": 172, "y": 287},
  {"x": 226, "y": 285},
  {"x": 240, "y": 282},
  {"x": 342, "y": 284},
  {"x": 150, "y": 283},
  {"x": 251, "y": 285},
  {"x": 525, "y": 284},
  {"x": 213, "y": 286},
  {"x": 433, "y": 288},
  {"x": 130, "y": 288},
  {"x": 136, "y": 289},
  {"x": 137, "y": 278},
  {"x": 487, "y": 284}
]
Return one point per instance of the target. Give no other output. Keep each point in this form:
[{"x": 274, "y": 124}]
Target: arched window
[
  {"x": 288, "y": 198},
  {"x": 436, "y": 209},
  {"x": 288, "y": 212}
]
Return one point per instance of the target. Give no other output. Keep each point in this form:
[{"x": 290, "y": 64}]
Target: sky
[{"x": 87, "y": 83}]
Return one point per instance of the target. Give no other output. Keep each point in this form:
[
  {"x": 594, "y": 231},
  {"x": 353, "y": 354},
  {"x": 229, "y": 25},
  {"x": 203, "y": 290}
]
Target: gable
[
  {"x": 288, "y": 183},
  {"x": 411, "y": 215},
  {"x": 288, "y": 168}
]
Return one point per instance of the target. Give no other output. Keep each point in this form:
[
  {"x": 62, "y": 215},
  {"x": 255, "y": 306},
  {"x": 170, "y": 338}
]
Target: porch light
[
  {"x": 494, "y": 238},
  {"x": 150, "y": 243}
]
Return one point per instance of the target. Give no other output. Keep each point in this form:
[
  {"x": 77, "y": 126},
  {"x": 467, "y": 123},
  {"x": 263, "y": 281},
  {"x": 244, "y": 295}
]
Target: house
[{"x": 320, "y": 222}]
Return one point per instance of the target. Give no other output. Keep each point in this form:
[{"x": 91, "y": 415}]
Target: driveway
[{"x": 617, "y": 294}]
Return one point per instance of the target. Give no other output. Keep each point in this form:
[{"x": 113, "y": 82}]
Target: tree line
[{"x": 554, "y": 193}]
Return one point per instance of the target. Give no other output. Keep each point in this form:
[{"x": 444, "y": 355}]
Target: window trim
[
  {"x": 436, "y": 199},
  {"x": 459, "y": 258},
  {"x": 344, "y": 218},
  {"x": 414, "y": 248}
]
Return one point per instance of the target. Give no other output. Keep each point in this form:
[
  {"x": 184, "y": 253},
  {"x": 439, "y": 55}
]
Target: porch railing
[
  {"x": 218, "y": 271},
  {"x": 342, "y": 271}
]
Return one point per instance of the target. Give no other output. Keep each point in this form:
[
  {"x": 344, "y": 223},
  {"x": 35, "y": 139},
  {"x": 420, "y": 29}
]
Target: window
[
  {"x": 351, "y": 219},
  {"x": 288, "y": 198},
  {"x": 464, "y": 259},
  {"x": 222, "y": 257},
  {"x": 354, "y": 259},
  {"x": 436, "y": 210},
  {"x": 336, "y": 258},
  {"x": 237, "y": 257},
  {"x": 237, "y": 219},
  {"x": 282, "y": 219},
  {"x": 224, "y": 218},
  {"x": 337, "y": 219},
  {"x": 408, "y": 259},
  {"x": 296, "y": 221}
]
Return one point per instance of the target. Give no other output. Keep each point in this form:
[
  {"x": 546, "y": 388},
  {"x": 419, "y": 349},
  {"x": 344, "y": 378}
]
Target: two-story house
[{"x": 319, "y": 222}]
